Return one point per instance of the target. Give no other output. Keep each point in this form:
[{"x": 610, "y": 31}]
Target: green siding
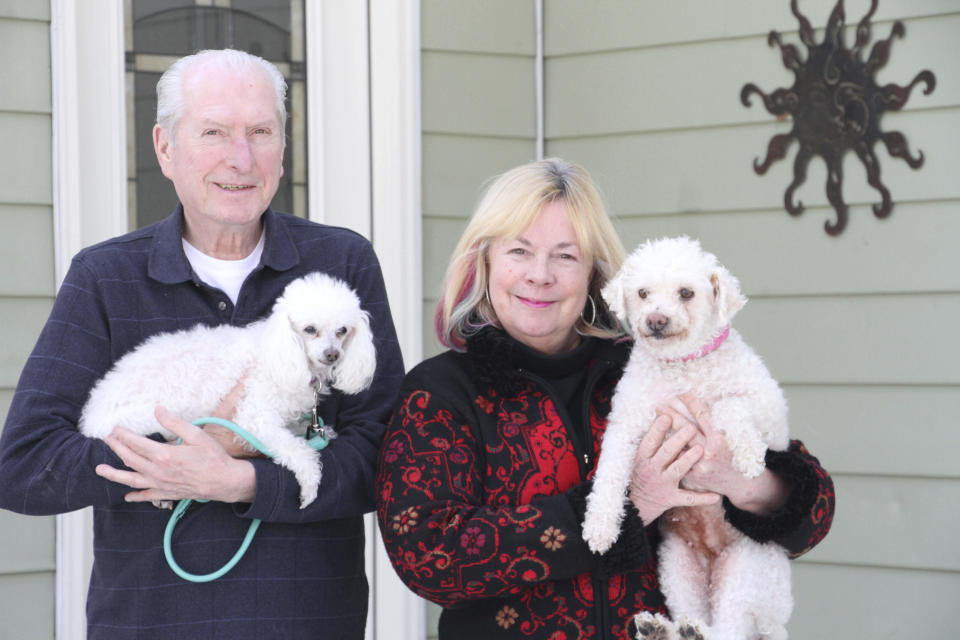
[
  {"x": 27, "y": 266},
  {"x": 500, "y": 27},
  {"x": 478, "y": 116},
  {"x": 25, "y": 10},
  {"x": 27, "y": 161},
  {"x": 26, "y": 85},
  {"x": 846, "y": 601},
  {"x": 27, "y": 607},
  {"x": 27, "y": 544}
]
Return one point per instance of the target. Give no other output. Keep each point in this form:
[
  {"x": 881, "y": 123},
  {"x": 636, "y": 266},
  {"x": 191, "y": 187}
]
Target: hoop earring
[{"x": 593, "y": 309}]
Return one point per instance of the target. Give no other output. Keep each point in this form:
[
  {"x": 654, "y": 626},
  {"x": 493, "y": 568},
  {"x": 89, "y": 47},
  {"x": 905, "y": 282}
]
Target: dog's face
[
  {"x": 324, "y": 340},
  {"x": 324, "y": 318},
  {"x": 673, "y": 296}
]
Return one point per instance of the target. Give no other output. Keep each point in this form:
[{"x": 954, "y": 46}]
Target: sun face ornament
[{"x": 836, "y": 104}]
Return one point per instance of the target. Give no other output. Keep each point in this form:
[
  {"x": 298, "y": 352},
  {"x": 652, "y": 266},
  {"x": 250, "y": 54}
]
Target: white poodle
[
  {"x": 677, "y": 301},
  {"x": 316, "y": 337}
]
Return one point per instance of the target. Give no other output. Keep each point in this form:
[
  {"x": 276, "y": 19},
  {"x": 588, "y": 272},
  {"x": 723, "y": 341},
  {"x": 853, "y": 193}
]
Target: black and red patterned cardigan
[{"x": 481, "y": 491}]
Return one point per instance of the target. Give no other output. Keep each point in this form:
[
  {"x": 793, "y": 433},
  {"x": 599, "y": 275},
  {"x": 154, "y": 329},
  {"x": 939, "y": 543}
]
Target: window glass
[{"x": 160, "y": 31}]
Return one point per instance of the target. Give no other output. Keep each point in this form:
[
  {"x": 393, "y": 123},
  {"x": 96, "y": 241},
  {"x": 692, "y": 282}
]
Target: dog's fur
[
  {"x": 717, "y": 582},
  {"x": 316, "y": 337}
]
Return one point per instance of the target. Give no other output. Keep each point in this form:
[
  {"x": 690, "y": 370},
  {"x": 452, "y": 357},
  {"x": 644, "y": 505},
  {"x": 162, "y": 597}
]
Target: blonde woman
[{"x": 486, "y": 463}]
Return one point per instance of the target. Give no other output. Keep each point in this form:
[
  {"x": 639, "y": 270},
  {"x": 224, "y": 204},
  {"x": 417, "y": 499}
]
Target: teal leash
[{"x": 318, "y": 441}]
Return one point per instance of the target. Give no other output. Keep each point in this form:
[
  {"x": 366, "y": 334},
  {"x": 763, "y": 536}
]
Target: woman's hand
[
  {"x": 659, "y": 465},
  {"x": 198, "y": 468},
  {"x": 715, "y": 472}
]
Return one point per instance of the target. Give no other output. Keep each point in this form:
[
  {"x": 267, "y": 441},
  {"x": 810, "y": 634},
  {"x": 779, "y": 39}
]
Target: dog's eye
[
  {"x": 686, "y": 294},
  {"x": 312, "y": 330},
  {"x": 642, "y": 293},
  {"x": 342, "y": 331}
]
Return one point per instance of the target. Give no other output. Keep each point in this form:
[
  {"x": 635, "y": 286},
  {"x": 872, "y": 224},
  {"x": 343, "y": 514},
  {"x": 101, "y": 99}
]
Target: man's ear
[{"x": 163, "y": 146}]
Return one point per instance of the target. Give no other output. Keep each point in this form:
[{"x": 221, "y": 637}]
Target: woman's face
[{"x": 538, "y": 282}]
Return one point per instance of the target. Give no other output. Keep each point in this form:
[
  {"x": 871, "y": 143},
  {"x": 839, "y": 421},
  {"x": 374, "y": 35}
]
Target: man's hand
[{"x": 198, "y": 468}]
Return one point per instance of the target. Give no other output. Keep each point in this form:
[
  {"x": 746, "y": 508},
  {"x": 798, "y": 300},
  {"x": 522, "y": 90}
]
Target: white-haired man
[{"x": 223, "y": 256}]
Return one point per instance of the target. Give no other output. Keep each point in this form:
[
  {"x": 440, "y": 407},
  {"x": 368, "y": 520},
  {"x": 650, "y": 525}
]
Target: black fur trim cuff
[
  {"x": 783, "y": 524},
  {"x": 631, "y": 549}
]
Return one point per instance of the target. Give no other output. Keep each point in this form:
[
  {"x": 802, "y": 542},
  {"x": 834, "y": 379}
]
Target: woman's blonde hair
[{"x": 510, "y": 205}]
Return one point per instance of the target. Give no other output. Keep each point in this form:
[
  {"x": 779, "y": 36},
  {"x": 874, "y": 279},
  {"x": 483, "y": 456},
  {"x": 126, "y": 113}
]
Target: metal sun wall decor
[{"x": 836, "y": 105}]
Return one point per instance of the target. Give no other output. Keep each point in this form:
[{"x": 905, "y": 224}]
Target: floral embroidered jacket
[{"x": 481, "y": 492}]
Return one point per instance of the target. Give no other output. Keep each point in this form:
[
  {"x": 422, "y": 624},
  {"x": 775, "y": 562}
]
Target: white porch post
[
  {"x": 89, "y": 204},
  {"x": 363, "y": 88}
]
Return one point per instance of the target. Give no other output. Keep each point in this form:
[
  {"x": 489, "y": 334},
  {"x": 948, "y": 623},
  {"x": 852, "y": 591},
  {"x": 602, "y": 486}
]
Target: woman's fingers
[
  {"x": 675, "y": 443},
  {"x": 700, "y": 412},
  {"x": 653, "y": 439},
  {"x": 697, "y": 499}
]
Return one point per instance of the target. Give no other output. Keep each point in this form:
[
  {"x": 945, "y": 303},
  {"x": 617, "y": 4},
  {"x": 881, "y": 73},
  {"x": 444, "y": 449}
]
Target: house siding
[
  {"x": 27, "y": 283},
  {"x": 478, "y": 117}
]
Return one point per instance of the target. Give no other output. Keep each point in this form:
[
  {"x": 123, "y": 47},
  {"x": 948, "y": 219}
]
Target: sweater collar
[
  {"x": 500, "y": 359},
  {"x": 168, "y": 264}
]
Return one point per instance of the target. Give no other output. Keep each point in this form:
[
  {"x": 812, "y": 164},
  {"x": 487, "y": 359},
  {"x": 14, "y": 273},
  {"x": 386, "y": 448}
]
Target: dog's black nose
[
  {"x": 657, "y": 322},
  {"x": 331, "y": 355}
]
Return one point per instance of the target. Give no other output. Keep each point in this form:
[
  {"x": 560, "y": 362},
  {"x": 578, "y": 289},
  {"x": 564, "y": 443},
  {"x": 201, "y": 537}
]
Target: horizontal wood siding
[
  {"x": 26, "y": 605},
  {"x": 27, "y": 282},
  {"x": 478, "y": 116},
  {"x": 860, "y": 328},
  {"x": 846, "y": 601}
]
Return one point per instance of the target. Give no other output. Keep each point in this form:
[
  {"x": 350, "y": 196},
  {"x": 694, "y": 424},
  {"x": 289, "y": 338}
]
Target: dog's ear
[
  {"x": 726, "y": 294},
  {"x": 615, "y": 297},
  {"x": 283, "y": 352},
  {"x": 354, "y": 371}
]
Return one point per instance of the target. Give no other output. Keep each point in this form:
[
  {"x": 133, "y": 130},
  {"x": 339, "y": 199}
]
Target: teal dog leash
[{"x": 318, "y": 441}]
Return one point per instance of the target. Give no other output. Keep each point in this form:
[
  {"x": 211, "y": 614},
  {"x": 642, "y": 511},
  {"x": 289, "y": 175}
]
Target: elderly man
[{"x": 223, "y": 256}]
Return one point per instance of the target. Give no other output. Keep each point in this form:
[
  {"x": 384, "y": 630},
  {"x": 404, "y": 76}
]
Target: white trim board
[{"x": 89, "y": 205}]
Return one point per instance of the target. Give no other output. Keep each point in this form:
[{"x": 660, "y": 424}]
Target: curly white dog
[
  {"x": 316, "y": 337},
  {"x": 677, "y": 301}
]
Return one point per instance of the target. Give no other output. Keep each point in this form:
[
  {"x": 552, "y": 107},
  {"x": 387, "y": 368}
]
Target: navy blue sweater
[{"x": 303, "y": 577}]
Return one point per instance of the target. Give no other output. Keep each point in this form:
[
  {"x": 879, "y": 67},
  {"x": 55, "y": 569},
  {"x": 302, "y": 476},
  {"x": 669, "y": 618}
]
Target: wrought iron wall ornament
[{"x": 836, "y": 105}]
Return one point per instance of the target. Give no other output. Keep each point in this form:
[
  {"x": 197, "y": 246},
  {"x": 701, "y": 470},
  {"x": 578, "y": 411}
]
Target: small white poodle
[
  {"x": 677, "y": 301},
  {"x": 316, "y": 337}
]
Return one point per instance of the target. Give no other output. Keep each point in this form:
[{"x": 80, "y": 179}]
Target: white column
[
  {"x": 395, "y": 161},
  {"x": 363, "y": 88},
  {"x": 89, "y": 205}
]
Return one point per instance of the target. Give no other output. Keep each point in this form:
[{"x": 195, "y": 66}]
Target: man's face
[{"x": 225, "y": 157}]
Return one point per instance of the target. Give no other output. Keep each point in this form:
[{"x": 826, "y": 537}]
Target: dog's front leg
[
  {"x": 605, "y": 504},
  {"x": 736, "y": 418},
  {"x": 285, "y": 448}
]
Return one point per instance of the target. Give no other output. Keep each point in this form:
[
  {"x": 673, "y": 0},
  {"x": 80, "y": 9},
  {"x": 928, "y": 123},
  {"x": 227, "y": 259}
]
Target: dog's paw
[
  {"x": 750, "y": 464},
  {"x": 652, "y": 626},
  {"x": 690, "y": 630},
  {"x": 308, "y": 493},
  {"x": 597, "y": 534}
]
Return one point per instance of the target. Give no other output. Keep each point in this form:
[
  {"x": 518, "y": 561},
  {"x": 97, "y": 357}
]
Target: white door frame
[{"x": 363, "y": 150}]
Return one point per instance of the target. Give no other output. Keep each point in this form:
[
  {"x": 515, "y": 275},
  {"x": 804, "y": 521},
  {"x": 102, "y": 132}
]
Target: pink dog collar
[{"x": 707, "y": 348}]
